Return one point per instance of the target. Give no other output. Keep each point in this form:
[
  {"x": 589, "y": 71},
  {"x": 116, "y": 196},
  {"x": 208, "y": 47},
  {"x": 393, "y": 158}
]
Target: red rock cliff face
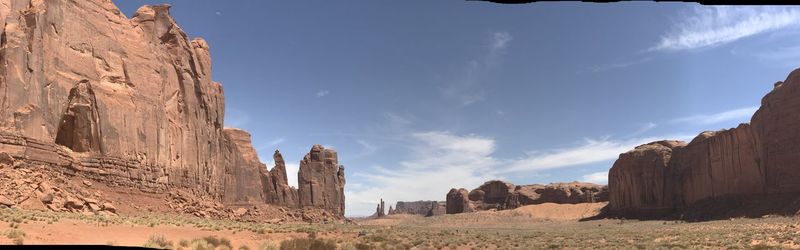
[
  {"x": 747, "y": 160},
  {"x": 117, "y": 91},
  {"x": 321, "y": 180},
  {"x": 280, "y": 191},
  {"x": 131, "y": 102}
]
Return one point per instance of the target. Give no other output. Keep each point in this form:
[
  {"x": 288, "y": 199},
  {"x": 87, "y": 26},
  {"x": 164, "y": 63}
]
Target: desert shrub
[
  {"x": 158, "y": 241},
  {"x": 266, "y": 245},
  {"x": 18, "y": 236},
  {"x": 307, "y": 244}
]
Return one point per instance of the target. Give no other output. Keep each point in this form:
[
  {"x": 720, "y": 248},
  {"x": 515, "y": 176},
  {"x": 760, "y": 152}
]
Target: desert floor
[{"x": 529, "y": 227}]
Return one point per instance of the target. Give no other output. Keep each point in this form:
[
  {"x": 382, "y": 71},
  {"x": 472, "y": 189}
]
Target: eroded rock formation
[
  {"x": 500, "y": 195},
  {"x": 87, "y": 92},
  {"x": 321, "y": 180},
  {"x": 458, "y": 201},
  {"x": 281, "y": 193},
  {"x": 413, "y": 207},
  {"x": 757, "y": 159}
]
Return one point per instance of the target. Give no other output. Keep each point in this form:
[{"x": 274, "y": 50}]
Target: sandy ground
[
  {"x": 70, "y": 232},
  {"x": 525, "y": 214}
]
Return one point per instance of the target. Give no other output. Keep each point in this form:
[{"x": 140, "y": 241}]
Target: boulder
[
  {"x": 4, "y": 201},
  {"x": 239, "y": 212},
  {"x": 109, "y": 207}
]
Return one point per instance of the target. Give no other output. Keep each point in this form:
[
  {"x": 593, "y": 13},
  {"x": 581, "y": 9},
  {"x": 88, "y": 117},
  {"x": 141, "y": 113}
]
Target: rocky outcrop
[
  {"x": 321, "y": 180},
  {"x": 380, "y": 211},
  {"x": 437, "y": 208},
  {"x": 87, "y": 92},
  {"x": 127, "y": 101},
  {"x": 746, "y": 161},
  {"x": 413, "y": 207},
  {"x": 280, "y": 193},
  {"x": 243, "y": 184},
  {"x": 500, "y": 195},
  {"x": 458, "y": 201}
]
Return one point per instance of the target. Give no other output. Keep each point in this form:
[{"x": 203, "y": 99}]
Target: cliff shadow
[{"x": 716, "y": 208}]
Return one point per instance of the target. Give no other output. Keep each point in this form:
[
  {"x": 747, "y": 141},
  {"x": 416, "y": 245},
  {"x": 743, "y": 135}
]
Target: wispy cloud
[
  {"x": 597, "y": 178},
  {"x": 786, "y": 56},
  {"x": 587, "y": 152},
  {"x": 742, "y": 114},
  {"x": 468, "y": 88},
  {"x": 619, "y": 65},
  {"x": 438, "y": 162},
  {"x": 501, "y": 39},
  {"x": 396, "y": 121},
  {"x": 644, "y": 128},
  {"x": 367, "y": 149},
  {"x": 322, "y": 93},
  {"x": 711, "y": 26},
  {"x": 277, "y": 141}
]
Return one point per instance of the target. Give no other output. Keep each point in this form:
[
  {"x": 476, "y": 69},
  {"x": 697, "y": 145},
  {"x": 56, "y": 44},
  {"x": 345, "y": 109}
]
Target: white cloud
[
  {"x": 468, "y": 88},
  {"x": 291, "y": 173},
  {"x": 277, "y": 141},
  {"x": 438, "y": 161},
  {"x": 501, "y": 39},
  {"x": 596, "y": 178},
  {"x": 710, "y": 26},
  {"x": 218, "y": 13},
  {"x": 742, "y": 114},
  {"x": 644, "y": 128},
  {"x": 368, "y": 149},
  {"x": 322, "y": 93},
  {"x": 619, "y": 65},
  {"x": 589, "y": 151},
  {"x": 396, "y": 121}
]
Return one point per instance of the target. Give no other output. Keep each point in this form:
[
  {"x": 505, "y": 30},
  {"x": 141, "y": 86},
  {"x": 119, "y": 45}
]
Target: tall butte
[
  {"x": 748, "y": 170},
  {"x": 131, "y": 103}
]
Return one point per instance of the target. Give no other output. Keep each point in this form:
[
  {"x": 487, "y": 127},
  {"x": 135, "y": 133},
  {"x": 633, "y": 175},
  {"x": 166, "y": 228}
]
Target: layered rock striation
[
  {"x": 86, "y": 91},
  {"x": 756, "y": 159},
  {"x": 321, "y": 180}
]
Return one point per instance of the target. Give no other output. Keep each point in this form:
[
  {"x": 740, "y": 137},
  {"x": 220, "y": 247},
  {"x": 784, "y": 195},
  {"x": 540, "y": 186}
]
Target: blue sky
[{"x": 421, "y": 96}]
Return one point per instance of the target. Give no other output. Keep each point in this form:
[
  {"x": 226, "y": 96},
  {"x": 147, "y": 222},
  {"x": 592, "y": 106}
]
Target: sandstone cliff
[
  {"x": 89, "y": 93},
  {"x": 321, "y": 180},
  {"x": 757, "y": 159},
  {"x": 280, "y": 193}
]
